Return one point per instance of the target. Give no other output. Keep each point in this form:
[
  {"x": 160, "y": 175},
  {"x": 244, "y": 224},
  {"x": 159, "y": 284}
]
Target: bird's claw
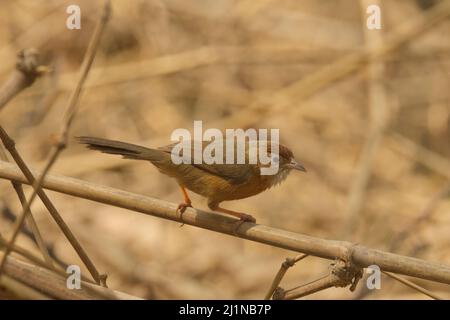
[
  {"x": 247, "y": 218},
  {"x": 182, "y": 208},
  {"x": 243, "y": 218}
]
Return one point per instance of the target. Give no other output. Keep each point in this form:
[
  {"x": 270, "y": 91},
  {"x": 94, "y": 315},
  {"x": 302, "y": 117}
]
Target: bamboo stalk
[
  {"x": 329, "y": 249},
  {"x": 54, "y": 285}
]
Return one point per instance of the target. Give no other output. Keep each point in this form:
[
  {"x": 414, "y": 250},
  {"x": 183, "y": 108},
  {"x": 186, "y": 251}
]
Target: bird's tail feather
[{"x": 127, "y": 150}]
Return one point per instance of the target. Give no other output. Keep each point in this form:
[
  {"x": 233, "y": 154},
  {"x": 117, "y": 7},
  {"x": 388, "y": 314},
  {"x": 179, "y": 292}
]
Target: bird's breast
[{"x": 219, "y": 189}]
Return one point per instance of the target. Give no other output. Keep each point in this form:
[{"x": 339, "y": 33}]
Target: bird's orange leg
[
  {"x": 242, "y": 216},
  {"x": 187, "y": 203}
]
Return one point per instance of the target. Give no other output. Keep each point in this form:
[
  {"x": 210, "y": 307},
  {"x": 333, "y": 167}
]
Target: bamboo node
[
  {"x": 28, "y": 64},
  {"x": 289, "y": 262},
  {"x": 279, "y": 294},
  {"x": 346, "y": 273},
  {"x": 102, "y": 279}
]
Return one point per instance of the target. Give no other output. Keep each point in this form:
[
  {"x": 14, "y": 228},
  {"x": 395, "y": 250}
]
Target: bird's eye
[{"x": 275, "y": 158}]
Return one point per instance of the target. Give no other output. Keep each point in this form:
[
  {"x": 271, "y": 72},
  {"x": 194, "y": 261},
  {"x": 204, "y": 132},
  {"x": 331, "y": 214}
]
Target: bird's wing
[{"x": 236, "y": 174}]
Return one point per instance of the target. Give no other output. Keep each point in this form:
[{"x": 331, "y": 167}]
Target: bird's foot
[
  {"x": 246, "y": 218},
  {"x": 243, "y": 218},
  {"x": 182, "y": 208}
]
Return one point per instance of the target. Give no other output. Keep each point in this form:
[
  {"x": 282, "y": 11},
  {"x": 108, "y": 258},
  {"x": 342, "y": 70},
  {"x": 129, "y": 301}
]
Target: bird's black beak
[{"x": 296, "y": 166}]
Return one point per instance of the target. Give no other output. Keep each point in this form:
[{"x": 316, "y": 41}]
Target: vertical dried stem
[
  {"x": 27, "y": 71},
  {"x": 33, "y": 226},
  {"x": 288, "y": 263},
  {"x": 378, "y": 116},
  {"x": 30, "y": 219},
  {"x": 59, "y": 147},
  {"x": 9, "y": 144}
]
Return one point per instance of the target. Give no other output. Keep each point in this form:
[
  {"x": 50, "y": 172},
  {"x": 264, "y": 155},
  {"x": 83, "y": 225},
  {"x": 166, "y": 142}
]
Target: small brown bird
[{"x": 216, "y": 182}]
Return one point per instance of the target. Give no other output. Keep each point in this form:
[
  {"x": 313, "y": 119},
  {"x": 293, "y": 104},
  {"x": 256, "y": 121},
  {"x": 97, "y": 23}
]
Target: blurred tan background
[{"x": 376, "y": 143}]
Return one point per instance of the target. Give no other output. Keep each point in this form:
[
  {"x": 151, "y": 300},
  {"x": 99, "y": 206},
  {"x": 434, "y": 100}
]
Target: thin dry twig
[
  {"x": 72, "y": 105},
  {"x": 33, "y": 226},
  {"x": 10, "y": 216},
  {"x": 288, "y": 263},
  {"x": 28, "y": 69},
  {"x": 413, "y": 286},
  {"x": 328, "y": 249},
  {"x": 23, "y": 252},
  {"x": 9, "y": 144},
  {"x": 30, "y": 219},
  {"x": 30, "y": 256},
  {"x": 342, "y": 274},
  {"x": 317, "y": 285},
  {"x": 59, "y": 147}
]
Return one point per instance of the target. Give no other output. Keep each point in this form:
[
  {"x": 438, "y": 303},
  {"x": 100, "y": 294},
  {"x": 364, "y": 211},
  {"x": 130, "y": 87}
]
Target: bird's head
[
  {"x": 282, "y": 162},
  {"x": 287, "y": 161},
  {"x": 283, "y": 158}
]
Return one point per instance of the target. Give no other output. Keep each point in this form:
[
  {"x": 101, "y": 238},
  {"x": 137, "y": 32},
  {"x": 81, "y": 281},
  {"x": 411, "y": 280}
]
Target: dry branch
[
  {"x": 341, "y": 274},
  {"x": 37, "y": 261},
  {"x": 55, "y": 286},
  {"x": 26, "y": 72},
  {"x": 288, "y": 263},
  {"x": 23, "y": 252},
  {"x": 16, "y": 289},
  {"x": 30, "y": 178},
  {"x": 329, "y": 249}
]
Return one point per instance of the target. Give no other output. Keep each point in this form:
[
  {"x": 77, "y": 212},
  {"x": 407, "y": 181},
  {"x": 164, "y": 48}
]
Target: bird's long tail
[{"x": 127, "y": 150}]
